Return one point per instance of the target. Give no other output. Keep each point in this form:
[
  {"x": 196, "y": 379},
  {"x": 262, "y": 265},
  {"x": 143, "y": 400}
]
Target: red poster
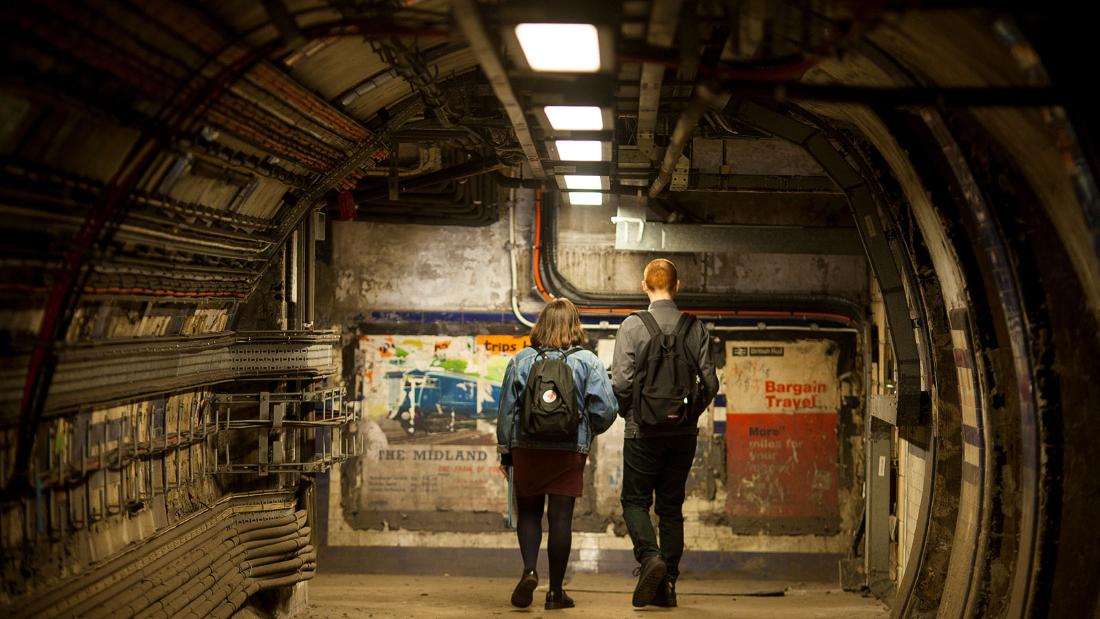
[
  {"x": 781, "y": 465},
  {"x": 781, "y": 441}
]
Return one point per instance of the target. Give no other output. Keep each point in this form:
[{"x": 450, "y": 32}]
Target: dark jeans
[{"x": 657, "y": 466}]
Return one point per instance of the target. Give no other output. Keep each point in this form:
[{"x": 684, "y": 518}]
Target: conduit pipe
[
  {"x": 705, "y": 99},
  {"x": 173, "y": 582},
  {"x": 523, "y": 320}
]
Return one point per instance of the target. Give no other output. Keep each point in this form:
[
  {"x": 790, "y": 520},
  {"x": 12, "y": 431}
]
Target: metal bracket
[
  {"x": 884, "y": 407},
  {"x": 630, "y": 220}
]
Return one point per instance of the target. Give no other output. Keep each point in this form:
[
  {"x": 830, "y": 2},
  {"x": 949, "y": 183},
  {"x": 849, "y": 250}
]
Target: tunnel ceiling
[
  {"x": 158, "y": 158},
  {"x": 270, "y": 102}
]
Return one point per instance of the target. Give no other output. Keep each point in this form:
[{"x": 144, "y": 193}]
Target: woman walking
[{"x": 555, "y": 397}]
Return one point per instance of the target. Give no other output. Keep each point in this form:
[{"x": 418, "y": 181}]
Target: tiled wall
[{"x": 911, "y": 461}]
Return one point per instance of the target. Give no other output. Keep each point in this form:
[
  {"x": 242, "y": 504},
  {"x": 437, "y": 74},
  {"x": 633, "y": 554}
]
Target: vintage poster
[
  {"x": 782, "y": 400},
  {"x": 437, "y": 478},
  {"x": 430, "y": 404}
]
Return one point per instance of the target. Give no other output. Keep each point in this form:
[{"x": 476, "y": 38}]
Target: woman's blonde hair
[{"x": 558, "y": 326}]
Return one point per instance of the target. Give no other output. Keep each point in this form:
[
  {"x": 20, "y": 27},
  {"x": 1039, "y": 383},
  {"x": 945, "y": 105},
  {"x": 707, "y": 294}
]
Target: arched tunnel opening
[{"x": 266, "y": 266}]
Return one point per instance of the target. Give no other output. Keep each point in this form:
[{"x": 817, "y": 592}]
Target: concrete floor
[{"x": 340, "y": 596}]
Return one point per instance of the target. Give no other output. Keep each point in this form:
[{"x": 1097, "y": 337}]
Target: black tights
[{"x": 529, "y": 529}]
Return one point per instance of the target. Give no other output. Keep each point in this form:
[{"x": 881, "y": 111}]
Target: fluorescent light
[
  {"x": 560, "y": 47},
  {"x": 575, "y": 117},
  {"x": 579, "y": 150},
  {"x": 583, "y": 182},
  {"x": 585, "y": 198}
]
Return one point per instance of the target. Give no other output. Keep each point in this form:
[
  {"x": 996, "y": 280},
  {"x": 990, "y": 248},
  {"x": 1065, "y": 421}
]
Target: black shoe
[
  {"x": 521, "y": 596},
  {"x": 558, "y": 600},
  {"x": 650, "y": 575},
  {"x": 666, "y": 594}
]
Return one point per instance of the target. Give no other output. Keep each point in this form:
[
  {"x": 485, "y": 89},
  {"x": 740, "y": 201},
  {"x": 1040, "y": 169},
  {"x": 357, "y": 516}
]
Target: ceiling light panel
[
  {"x": 580, "y": 181},
  {"x": 561, "y": 48},
  {"x": 574, "y": 117},
  {"x": 585, "y": 198},
  {"x": 579, "y": 150}
]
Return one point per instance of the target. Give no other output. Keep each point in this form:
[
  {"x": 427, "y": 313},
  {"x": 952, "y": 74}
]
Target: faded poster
[{"x": 782, "y": 403}]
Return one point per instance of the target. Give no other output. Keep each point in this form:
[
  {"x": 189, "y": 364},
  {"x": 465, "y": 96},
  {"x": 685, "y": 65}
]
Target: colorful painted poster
[
  {"x": 430, "y": 404},
  {"x": 782, "y": 402},
  {"x": 427, "y": 389}
]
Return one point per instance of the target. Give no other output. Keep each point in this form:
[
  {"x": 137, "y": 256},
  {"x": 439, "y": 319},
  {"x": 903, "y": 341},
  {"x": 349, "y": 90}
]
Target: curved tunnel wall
[
  {"x": 1001, "y": 246},
  {"x": 979, "y": 235}
]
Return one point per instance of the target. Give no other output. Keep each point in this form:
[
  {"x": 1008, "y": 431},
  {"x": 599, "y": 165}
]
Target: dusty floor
[{"x": 339, "y": 596}]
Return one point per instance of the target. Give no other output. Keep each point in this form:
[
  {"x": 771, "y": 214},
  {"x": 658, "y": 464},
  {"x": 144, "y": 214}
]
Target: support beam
[
  {"x": 761, "y": 183},
  {"x": 880, "y": 247},
  {"x": 474, "y": 167},
  {"x": 469, "y": 20},
  {"x": 661, "y": 33},
  {"x": 877, "y": 445},
  {"x": 632, "y": 235}
]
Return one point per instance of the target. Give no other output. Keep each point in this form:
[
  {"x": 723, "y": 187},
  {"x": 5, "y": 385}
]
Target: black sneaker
[
  {"x": 650, "y": 575},
  {"x": 559, "y": 599},
  {"x": 666, "y": 594},
  {"x": 521, "y": 596}
]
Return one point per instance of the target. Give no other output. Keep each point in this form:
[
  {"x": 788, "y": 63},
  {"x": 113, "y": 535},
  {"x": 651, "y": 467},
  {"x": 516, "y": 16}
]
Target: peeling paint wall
[
  {"x": 441, "y": 295},
  {"x": 420, "y": 484},
  {"x": 387, "y": 266}
]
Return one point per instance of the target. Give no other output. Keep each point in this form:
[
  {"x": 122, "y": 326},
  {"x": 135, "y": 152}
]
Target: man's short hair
[{"x": 660, "y": 274}]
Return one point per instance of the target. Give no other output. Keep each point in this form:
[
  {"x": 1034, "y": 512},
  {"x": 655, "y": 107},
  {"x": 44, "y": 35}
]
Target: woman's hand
[{"x": 503, "y": 471}]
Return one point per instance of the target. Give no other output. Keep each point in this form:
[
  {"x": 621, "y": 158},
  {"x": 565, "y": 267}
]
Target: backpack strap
[
  {"x": 683, "y": 327},
  {"x": 541, "y": 352},
  {"x": 650, "y": 323},
  {"x": 686, "y": 322}
]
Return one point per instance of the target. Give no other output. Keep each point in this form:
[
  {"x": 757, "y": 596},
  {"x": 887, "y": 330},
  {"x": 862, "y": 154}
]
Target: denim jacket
[{"x": 595, "y": 400}]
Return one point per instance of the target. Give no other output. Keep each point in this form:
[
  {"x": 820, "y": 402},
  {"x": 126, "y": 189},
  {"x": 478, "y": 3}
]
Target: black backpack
[
  {"x": 549, "y": 410},
  {"x": 666, "y": 377}
]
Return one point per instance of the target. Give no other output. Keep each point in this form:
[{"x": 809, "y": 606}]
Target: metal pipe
[
  {"x": 523, "y": 320},
  {"x": 706, "y": 98},
  {"x": 474, "y": 167},
  {"x": 290, "y": 285},
  {"x": 309, "y": 234},
  {"x": 281, "y": 269},
  {"x": 765, "y": 328}
]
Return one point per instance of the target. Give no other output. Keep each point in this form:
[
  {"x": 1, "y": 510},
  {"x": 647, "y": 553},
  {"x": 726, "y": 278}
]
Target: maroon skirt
[{"x": 547, "y": 471}]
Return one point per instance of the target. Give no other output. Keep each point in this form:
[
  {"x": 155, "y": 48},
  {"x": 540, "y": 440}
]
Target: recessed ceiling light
[
  {"x": 585, "y": 198},
  {"x": 560, "y": 47},
  {"x": 574, "y": 117},
  {"x": 583, "y": 182},
  {"x": 579, "y": 150}
]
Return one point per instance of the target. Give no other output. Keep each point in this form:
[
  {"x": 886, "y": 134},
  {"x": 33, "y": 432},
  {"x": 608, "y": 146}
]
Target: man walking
[{"x": 663, "y": 378}]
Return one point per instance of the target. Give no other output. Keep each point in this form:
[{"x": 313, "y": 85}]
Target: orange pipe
[{"x": 538, "y": 244}]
